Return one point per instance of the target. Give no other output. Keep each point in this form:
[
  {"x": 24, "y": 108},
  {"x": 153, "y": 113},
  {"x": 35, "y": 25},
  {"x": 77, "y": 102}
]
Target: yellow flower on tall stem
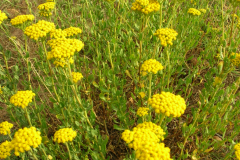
[{"x": 3, "y": 16}]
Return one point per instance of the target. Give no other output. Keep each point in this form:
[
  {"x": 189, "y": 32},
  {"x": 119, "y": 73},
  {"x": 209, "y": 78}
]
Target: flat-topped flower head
[
  {"x": 76, "y": 76},
  {"x": 154, "y": 128},
  {"x": 64, "y": 135},
  {"x": 237, "y": 150},
  {"x": 194, "y": 11},
  {"x": 48, "y": 6},
  {"x": 21, "y": 19},
  {"x": 58, "y": 33},
  {"x": 145, "y": 6},
  {"x": 22, "y": 98},
  {"x": 202, "y": 10},
  {"x": 142, "y": 111},
  {"x": 168, "y": 104},
  {"x": 72, "y": 31},
  {"x": 5, "y": 150},
  {"x": 39, "y": 29},
  {"x": 3, "y": 16},
  {"x": 235, "y": 61},
  {"x": 5, "y": 128},
  {"x": 151, "y": 66},
  {"x": 24, "y": 139},
  {"x": 166, "y": 36},
  {"x": 63, "y": 62}
]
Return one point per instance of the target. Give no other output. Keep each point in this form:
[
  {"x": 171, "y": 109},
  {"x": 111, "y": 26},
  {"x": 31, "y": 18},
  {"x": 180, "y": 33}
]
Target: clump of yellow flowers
[
  {"x": 144, "y": 139},
  {"x": 71, "y": 31},
  {"x": 63, "y": 49},
  {"x": 24, "y": 139},
  {"x": 22, "y": 98},
  {"x": 145, "y": 6},
  {"x": 217, "y": 81},
  {"x": 142, "y": 111},
  {"x": 194, "y": 11},
  {"x": 237, "y": 150},
  {"x": 5, "y": 150},
  {"x": 151, "y": 66},
  {"x": 21, "y": 19},
  {"x": 45, "y": 8},
  {"x": 168, "y": 104},
  {"x": 236, "y": 60},
  {"x": 5, "y": 128},
  {"x": 39, "y": 29},
  {"x": 203, "y": 10},
  {"x": 58, "y": 33},
  {"x": 166, "y": 35},
  {"x": 64, "y": 135},
  {"x": 3, "y": 16},
  {"x": 76, "y": 76}
]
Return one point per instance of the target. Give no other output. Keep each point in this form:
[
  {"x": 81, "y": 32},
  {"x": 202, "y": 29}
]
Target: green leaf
[{"x": 118, "y": 127}]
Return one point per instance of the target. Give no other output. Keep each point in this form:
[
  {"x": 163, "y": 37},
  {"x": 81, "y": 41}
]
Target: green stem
[
  {"x": 160, "y": 24},
  {"x": 150, "y": 85},
  {"x": 161, "y": 120},
  {"x": 169, "y": 67},
  {"x": 230, "y": 38},
  {"x": 68, "y": 151},
  {"x": 28, "y": 118},
  {"x": 34, "y": 156}
]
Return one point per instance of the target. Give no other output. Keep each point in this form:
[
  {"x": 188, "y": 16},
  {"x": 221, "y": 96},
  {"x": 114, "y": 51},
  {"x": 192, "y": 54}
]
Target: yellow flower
[
  {"x": 154, "y": 128},
  {"x": 22, "y": 98},
  {"x": 39, "y": 30},
  {"x": 217, "y": 81},
  {"x": 194, "y": 11},
  {"x": 237, "y": 150},
  {"x": 58, "y": 33},
  {"x": 21, "y": 19},
  {"x": 48, "y": 6},
  {"x": 142, "y": 111},
  {"x": 76, "y": 76},
  {"x": 145, "y": 6},
  {"x": 64, "y": 135},
  {"x": 63, "y": 62},
  {"x": 142, "y": 94},
  {"x": 71, "y": 31},
  {"x": 49, "y": 157},
  {"x": 151, "y": 66},
  {"x": 3, "y": 16},
  {"x": 1, "y": 92},
  {"x": 236, "y": 60},
  {"x": 5, "y": 128},
  {"x": 203, "y": 10},
  {"x": 166, "y": 36},
  {"x": 24, "y": 139},
  {"x": 5, "y": 150},
  {"x": 168, "y": 104}
]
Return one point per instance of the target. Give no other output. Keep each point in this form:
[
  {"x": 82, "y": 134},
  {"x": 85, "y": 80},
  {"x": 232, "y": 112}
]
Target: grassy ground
[{"x": 117, "y": 41}]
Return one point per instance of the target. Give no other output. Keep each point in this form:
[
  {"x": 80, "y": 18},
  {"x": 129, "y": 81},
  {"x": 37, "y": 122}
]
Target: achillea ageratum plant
[
  {"x": 142, "y": 94},
  {"x": 39, "y": 29},
  {"x": 203, "y": 10},
  {"x": 24, "y": 139},
  {"x": 72, "y": 31},
  {"x": 58, "y": 33},
  {"x": 194, "y": 11},
  {"x": 3, "y": 16},
  {"x": 46, "y": 8},
  {"x": 154, "y": 128},
  {"x": 237, "y": 150},
  {"x": 168, "y": 104},
  {"x": 5, "y": 128},
  {"x": 63, "y": 62},
  {"x": 76, "y": 76},
  {"x": 21, "y": 19},
  {"x": 142, "y": 111},
  {"x": 235, "y": 61},
  {"x": 166, "y": 36},
  {"x": 145, "y": 6},
  {"x": 5, "y": 150},
  {"x": 64, "y": 135},
  {"x": 22, "y": 98},
  {"x": 151, "y": 66},
  {"x": 217, "y": 81}
]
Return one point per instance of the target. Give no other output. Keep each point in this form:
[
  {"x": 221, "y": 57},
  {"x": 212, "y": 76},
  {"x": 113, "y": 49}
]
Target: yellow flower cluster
[
  {"x": 145, "y": 6},
  {"x": 3, "y": 16},
  {"x": 142, "y": 111},
  {"x": 22, "y": 98},
  {"x": 203, "y": 10},
  {"x": 63, "y": 49},
  {"x": 168, "y": 104},
  {"x": 39, "y": 30},
  {"x": 236, "y": 60},
  {"x": 5, "y": 128},
  {"x": 217, "y": 81},
  {"x": 76, "y": 76},
  {"x": 21, "y": 19},
  {"x": 145, "y": 139},
  {"x": 45, "y": 8},
  {"x": 5, "y": 150},
  {"x": 142, "y": 94},
  {"x": 64, "y": 135},
  {"x": 151, "y": 65},
  {"x": 166, "y": 35},
  {"x": 193, "y": 2},
  {"x": 24, "y": 139},
  {"x": 194, "y": 11},
  {"x": 238, "y": 24},
  {"x": 58, "y": 33},
  {"x": 71, "y": 31},
  {"x": 237, "y": 150},
  {"x": 1, "y": 90}
]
